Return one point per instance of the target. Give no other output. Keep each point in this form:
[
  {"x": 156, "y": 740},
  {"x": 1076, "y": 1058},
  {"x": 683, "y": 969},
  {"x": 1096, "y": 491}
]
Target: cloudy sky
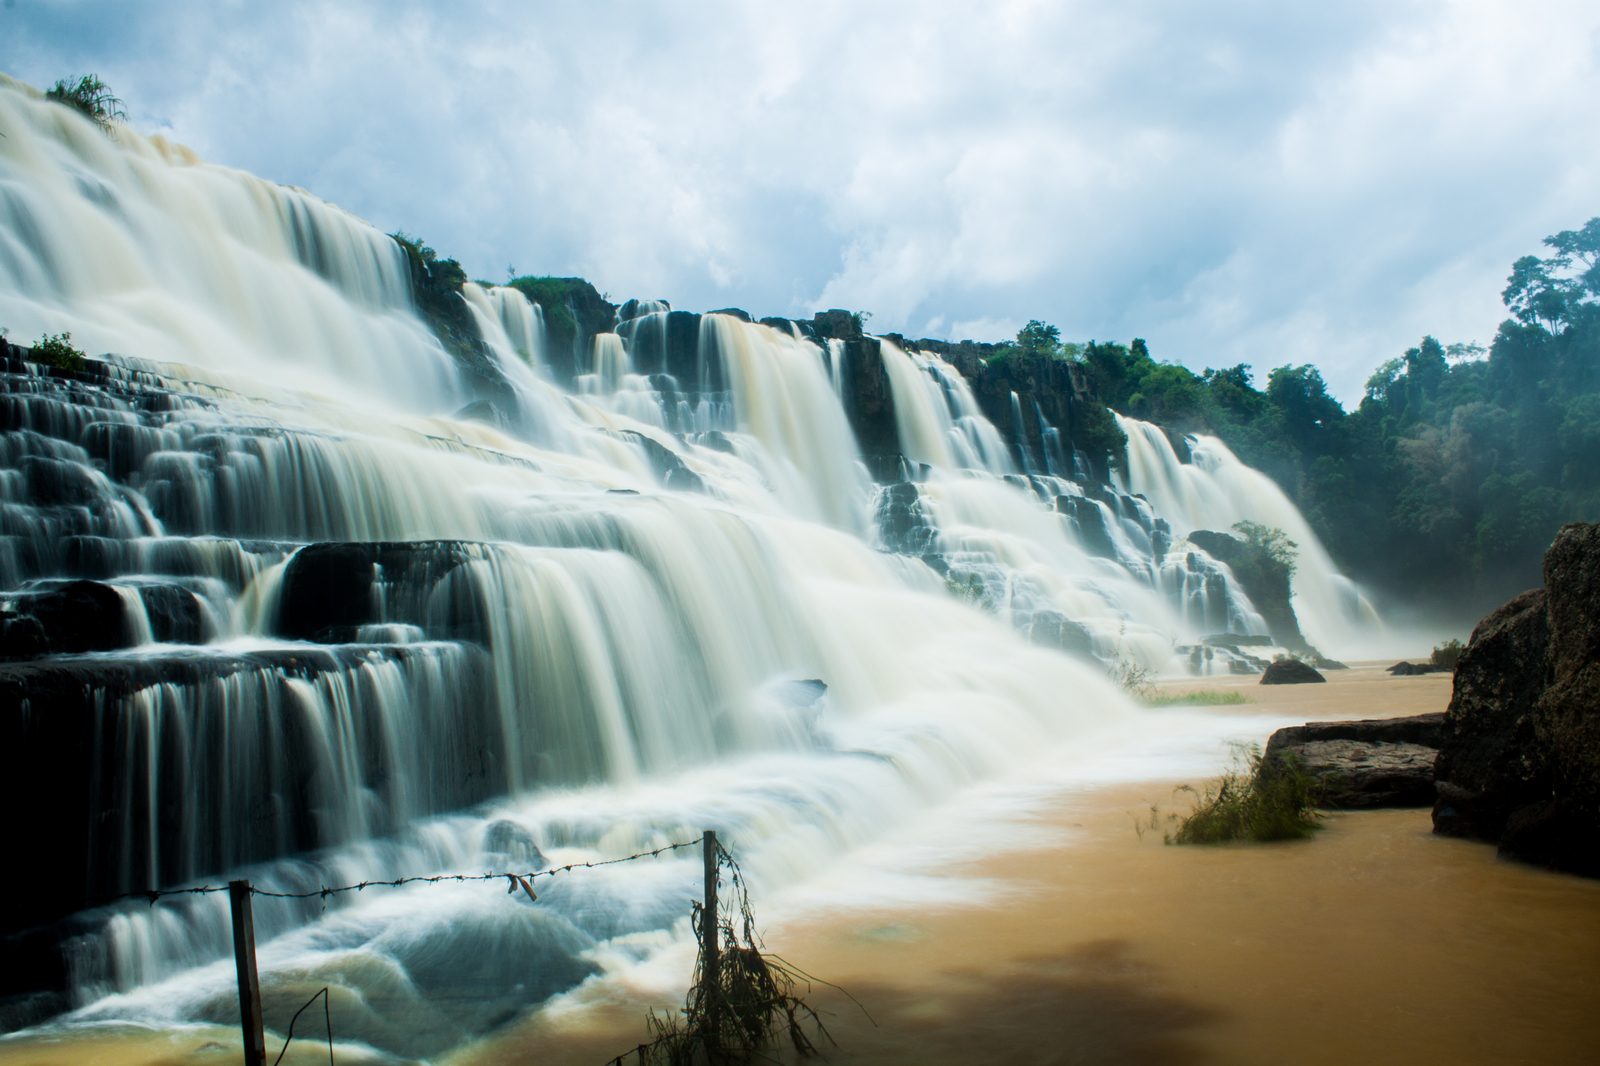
[{"x": 1263, "y": 182}]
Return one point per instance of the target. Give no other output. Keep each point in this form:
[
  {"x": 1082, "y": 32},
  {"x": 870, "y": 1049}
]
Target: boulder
[
  {"x": 1290, "y": 672},
  {"x": 1366, "y": 764},
  {"x": 1519, "y": 757}
]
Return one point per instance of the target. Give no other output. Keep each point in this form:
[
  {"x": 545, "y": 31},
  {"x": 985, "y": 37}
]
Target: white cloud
[{"x": 1235, "y": 182}]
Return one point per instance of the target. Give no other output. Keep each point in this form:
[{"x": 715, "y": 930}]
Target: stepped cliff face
[{"x": 330, "y": 565}]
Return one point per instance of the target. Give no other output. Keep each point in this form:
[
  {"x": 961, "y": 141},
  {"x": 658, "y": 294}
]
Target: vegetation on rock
[
  {"x": 90, "y": 97},
  {"x": 56, "y": 350},
  {"x": 1253, "y": 800},
  {"x": 1446, "y": 655}
]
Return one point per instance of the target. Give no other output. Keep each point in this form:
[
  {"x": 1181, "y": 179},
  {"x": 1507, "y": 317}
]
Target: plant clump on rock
[
  {"x": 90, "y": 97},
  {"x": 1255, "y": 799},
  {"x": 56, "y": 350}
]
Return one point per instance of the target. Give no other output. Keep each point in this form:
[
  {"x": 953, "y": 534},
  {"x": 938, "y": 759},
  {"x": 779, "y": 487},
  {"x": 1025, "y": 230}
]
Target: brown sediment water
[{"x": 1375, "y": 941}]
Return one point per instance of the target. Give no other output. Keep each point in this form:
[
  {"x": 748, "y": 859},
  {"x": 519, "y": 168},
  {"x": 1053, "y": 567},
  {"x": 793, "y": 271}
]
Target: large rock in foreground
[
  {"x": 1364, "y": 764},
  {"x": 1519, "y": 755}
]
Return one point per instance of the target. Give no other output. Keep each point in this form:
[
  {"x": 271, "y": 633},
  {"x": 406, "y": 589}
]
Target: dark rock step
[
  {"x": 81, "y": 616},
  {"x": 1385, "y": 762},
  {"x": 330, "y": 590},
  {"x": 219, "y": 759},
  {"x": 91, "y": 616}
]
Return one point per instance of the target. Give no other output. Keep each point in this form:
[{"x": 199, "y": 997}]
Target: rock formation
[
  {"x": 1291, "y": 672},
  {"x": 1365, "y": 764},
  {"x": 1519, "y": 756}
]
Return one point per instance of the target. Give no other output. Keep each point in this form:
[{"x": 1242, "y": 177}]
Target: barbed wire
[{"x": 153, "y": 895}]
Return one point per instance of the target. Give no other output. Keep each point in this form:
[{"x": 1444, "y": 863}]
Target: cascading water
[
  {"x": 1214, "y": 491},
  {"x": 306, "y": 601}
]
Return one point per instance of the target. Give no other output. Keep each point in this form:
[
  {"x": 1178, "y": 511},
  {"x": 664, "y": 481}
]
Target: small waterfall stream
[{"x": 298, "y": 607}]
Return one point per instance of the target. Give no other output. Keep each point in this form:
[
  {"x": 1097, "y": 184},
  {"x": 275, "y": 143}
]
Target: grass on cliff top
[{"x": 1253, "y": 800}]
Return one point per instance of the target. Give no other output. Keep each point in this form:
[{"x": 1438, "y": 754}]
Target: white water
[
  {"x": 1215, "y": 491},
  {"x": 642, "y": 628}
]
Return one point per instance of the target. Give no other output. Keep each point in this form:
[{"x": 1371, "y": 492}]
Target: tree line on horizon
[{"x": 1454, "y": 471}]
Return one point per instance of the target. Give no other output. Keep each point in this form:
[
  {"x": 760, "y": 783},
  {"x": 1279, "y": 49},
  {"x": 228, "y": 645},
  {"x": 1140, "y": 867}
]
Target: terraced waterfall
[{"x": 294, "y": 588}]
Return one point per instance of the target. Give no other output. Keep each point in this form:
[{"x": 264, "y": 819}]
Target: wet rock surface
[
  {"x": 1519, "y": 758},
  {"x": 1291, "y": 672},
  {"x": 256, "y": 775},
  {"x": 1368, "y": 763},
  {"x": 331, "y": 590},
  {"x": 79, "y": 616}
]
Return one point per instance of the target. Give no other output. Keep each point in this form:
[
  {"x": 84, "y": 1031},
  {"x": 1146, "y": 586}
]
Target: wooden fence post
[
  {"x": 244, "y": 956},
  {"x": 711, "y": 966}
]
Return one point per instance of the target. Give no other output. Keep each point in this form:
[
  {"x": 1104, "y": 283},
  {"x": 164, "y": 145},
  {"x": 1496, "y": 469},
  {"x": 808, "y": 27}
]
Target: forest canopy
[{"x": 1458, "y": 465}]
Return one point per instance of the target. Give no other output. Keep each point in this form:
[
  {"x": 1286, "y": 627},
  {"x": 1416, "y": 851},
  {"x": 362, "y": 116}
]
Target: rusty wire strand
[{"x": 153, "y": 895}]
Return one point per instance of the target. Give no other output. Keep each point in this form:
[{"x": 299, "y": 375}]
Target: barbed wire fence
[
  {"x": 155, "y": 895},
  {"x": 251, "y": 1020},
  {"x": 741, "y": 1002}
]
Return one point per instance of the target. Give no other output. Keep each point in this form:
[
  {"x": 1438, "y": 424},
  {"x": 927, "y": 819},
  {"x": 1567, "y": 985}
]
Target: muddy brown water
[{"x": 1374, "y": 942}]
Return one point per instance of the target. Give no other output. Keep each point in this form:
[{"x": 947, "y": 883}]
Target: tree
[
  {"x": 1547, "y": 292},
  {"x": 1036, "y": 338},
  {"x": 90, "y": 97}
]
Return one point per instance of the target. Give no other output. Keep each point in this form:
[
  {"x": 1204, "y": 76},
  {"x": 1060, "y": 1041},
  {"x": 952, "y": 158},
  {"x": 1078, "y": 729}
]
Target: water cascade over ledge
[{"x": 291, "y": 589}]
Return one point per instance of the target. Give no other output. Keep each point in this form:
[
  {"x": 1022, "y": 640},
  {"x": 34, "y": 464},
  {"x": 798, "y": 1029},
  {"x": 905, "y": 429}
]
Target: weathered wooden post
[
  {"x": 244, "y": 957},
  {"x": 711, "y": 966}
]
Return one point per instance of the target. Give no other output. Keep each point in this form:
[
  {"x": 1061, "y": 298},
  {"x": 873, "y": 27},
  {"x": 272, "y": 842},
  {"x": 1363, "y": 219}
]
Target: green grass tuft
[
  {"x": 90, "y": 97},
  {"x": 1252, "y": 801},
  {"x": 1200, "y": 698}
]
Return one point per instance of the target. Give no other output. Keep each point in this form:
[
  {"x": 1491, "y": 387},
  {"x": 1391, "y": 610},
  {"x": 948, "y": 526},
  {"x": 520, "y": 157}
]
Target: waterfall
[
  {"x": 509, "y": 324},
  {"x": 1213, "y": 491},
  {"x": 311, "y": 600}
]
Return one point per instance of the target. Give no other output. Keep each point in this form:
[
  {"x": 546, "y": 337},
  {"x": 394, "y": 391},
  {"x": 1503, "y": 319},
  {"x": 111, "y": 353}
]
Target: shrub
[
  {"x": 1270, "y": 547},
  {"x": 552, "y": 295},
  {"x": 90, "y": 97},
  {"x": 1254, "y": 800},
  {"x": 1446, "y": 655},
  {"x": 1132, "y": 677},
  {"x": 57, "y": 351}
]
